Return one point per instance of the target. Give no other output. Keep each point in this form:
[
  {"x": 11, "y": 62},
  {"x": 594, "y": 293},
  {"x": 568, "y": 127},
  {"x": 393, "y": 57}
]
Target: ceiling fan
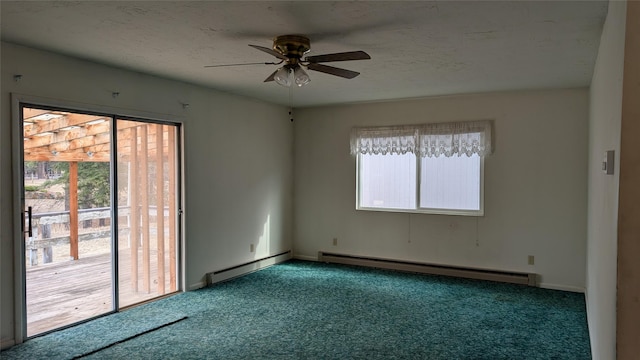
[{"x": 291, "y": 50}]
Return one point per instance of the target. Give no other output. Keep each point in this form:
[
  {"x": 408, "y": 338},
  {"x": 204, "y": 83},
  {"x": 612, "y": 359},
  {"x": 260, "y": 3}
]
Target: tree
[
  {"x": 93, "y": 183},
  {"x": 30, "y": 167}
]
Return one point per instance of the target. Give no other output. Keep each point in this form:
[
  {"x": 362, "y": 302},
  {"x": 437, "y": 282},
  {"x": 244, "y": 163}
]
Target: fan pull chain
[{"x": 291, "y": 104}]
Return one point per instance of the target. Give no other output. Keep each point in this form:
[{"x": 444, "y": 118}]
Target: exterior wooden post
[
  {"x": 171, "y": 157},
  {"x": 134, "y": 214},
  {"x": 160, "y": 206},
  {"x": 73, "y": 209},
  {"x": 144, "y": 208}
]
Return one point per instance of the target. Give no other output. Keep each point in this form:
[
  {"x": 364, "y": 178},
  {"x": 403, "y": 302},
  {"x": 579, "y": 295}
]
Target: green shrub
[{"x": 31, "y": 188}]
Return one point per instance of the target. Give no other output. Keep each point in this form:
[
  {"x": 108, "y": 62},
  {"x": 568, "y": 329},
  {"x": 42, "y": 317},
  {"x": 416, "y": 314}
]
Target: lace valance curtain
[{"x": 426, "y": 140}]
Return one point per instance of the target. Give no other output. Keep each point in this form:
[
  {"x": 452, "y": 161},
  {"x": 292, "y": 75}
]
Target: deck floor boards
[{"x": 67, "y": 292}]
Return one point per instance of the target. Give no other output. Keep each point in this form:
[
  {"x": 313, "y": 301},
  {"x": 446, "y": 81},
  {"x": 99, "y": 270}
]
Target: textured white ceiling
[{"x": 418, "y": 48}]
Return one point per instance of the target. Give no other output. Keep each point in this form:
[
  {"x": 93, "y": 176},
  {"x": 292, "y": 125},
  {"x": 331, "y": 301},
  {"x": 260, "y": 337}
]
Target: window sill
[{"x": 426, "y": 211}]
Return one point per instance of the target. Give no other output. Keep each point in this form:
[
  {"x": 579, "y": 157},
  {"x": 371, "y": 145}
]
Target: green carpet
[
  {"x": 305, "y": 310},
  {"x": 94, "y": 335}
]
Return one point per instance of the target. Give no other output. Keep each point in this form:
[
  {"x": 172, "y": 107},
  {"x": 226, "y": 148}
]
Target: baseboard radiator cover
[
  {"x": 246, "y": 268},
  {"x": 432, "y": 269}
]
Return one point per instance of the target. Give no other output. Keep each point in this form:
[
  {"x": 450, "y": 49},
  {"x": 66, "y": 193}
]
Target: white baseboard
[
  {"x": 6, "y": 343},
  {"x": 196, "y": 286},
  {"x": 529, "y": 279},
  {"x": 305, "y": 257},
  {"x": 570, "y": 288},
  {"x": 228, "y": 274}
]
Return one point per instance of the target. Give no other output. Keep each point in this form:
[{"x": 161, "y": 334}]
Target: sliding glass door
[
  {"x": 100, "y": 202},
  {"x": 147, "y": 211}
]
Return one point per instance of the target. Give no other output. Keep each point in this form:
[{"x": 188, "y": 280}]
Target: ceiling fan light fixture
[
  {"x": 291, "y": 50},
  {"x": 300, "y": 77},
  {"x": 283, "y": 76}
]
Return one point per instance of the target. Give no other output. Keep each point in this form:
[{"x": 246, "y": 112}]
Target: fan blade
[
  {"x": 344, "y": 56},
  {"x": 242, "y": 64},
  {"x": 269, "y": 51},
  {"x": 333, "y": 70},
  {"x": 270, "y": 78}
]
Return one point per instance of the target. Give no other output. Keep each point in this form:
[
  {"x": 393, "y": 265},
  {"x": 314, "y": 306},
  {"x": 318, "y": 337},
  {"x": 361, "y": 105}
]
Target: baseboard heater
[
  {"x": 246, "y": 268},
  {"x": 423, "y": 268}
]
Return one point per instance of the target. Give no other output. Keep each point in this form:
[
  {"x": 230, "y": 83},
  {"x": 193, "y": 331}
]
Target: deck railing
[{"x": 52, "y": 228}]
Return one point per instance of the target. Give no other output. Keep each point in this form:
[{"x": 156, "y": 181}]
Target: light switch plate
[{"x": 608, "y": 162}]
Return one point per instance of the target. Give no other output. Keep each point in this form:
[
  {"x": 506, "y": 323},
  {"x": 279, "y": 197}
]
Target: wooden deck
[{"x": 63, "y": 293}]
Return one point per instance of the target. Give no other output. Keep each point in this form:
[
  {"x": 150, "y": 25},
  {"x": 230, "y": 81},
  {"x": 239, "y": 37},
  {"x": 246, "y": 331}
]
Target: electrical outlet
[
  {"x": 252, "y": 248},
  {"x": 531, "y": 260},
  {"x": 335, "y": 241}
]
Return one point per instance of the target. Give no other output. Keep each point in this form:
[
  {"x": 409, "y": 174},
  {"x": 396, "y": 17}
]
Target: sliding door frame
[
  {"x": 21, "y": 100},
  {"x": 179, "y": 258}
]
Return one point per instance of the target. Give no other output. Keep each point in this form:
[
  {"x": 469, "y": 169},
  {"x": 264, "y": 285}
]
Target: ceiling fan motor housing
[{"x": 292, "y": 46}]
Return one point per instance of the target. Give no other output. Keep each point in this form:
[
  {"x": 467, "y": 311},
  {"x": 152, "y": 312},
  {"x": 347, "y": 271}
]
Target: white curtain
[
  {"x": 427, "y": 140},
  {"x": 384, "y": 140}
]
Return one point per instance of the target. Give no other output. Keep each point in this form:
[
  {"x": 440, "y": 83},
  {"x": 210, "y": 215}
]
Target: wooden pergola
[{"x": 71, "y": 137}]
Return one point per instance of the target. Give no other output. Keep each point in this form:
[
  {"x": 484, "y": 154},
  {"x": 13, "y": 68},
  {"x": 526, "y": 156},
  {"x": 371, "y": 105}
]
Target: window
[
  {"x": 451, "y": 183},
  {"x": 431, "y": 168},
  {"x": 388, "y": 181}
]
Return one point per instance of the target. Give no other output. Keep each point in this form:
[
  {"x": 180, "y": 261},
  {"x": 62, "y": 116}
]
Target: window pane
[
  {"x": 388, "y": 181},
  {"x": 147, "y": 211},
  {"x": 450, "y": 182}
]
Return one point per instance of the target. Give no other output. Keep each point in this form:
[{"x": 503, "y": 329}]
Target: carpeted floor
[{"x": 306, "y": 310}]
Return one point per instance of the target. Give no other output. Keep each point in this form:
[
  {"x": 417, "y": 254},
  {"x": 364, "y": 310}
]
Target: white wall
[
  {"x": 236, "y": 192},
  {"x": 535, "y": 186},
  {"x": 604, "y": 134}
]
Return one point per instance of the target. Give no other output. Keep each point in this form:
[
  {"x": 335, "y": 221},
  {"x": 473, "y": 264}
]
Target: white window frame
[
  {"x": 419, "y": 209},
  {"x": 452, "y": 139}
]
